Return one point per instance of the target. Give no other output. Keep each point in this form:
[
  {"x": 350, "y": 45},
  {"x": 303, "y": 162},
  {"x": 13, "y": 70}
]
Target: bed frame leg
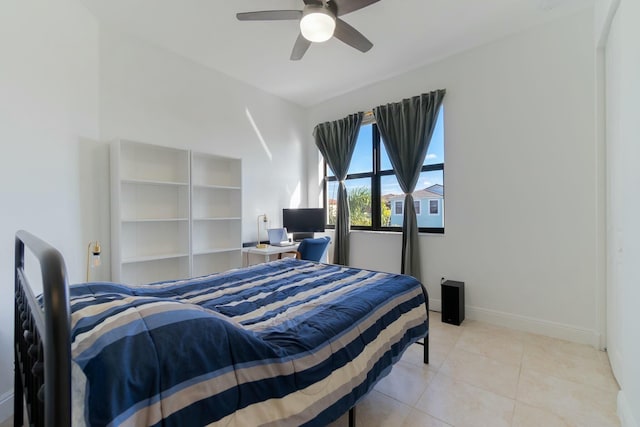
[
  {"x": 352, "y": 417},
  {"x": 426, "y": 350},
  {"x": 425, "y": 355}
]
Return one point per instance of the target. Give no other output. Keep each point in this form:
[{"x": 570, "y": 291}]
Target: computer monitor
[{"x": 303, "y": 222}]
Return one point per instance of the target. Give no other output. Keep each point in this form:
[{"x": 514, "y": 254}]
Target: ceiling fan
[{"x": 319, "y": 21}]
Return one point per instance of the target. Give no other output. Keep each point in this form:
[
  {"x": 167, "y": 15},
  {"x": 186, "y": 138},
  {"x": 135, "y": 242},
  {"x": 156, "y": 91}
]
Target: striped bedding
[{"x": 286, "y": 343}]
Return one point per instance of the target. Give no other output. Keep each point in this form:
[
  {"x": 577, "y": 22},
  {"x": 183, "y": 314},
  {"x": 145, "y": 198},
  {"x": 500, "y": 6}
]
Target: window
[
  {"x": 376, "y": 201},
  {"x": 416, "y": 206},
  {"x": 434, "y": 207},
  {"x": 398, "y": 210}
]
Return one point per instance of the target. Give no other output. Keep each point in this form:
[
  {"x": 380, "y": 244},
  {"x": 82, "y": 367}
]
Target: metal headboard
[{"x": 42, "y": 343}]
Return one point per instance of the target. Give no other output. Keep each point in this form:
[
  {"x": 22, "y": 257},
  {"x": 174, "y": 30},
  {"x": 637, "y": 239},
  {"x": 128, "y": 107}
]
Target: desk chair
[{"x": 312, "y": 249}]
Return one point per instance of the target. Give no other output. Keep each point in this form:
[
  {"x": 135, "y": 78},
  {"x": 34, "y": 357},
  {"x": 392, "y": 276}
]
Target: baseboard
[
  {"x": 535, "y": 326},
  {"x": 6, "y": 406},
  {"x": 624, "y": 411},
  {"x": 615, "y": 362},
  {"x": 527, "y": 324}
]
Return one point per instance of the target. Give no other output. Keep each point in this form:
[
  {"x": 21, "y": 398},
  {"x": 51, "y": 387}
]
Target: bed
[{"x": 288, "y": 342}]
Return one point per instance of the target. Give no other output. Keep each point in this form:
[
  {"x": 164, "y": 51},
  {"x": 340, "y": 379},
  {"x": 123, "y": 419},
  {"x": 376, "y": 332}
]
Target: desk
[{"x": 268, "y": 251}]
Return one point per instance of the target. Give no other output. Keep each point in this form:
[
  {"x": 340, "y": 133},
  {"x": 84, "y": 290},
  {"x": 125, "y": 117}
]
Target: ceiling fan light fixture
[{"x": 317, "y": 24}]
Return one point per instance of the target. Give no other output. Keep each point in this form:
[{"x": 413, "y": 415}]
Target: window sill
[{"x": 420, "y": 233}]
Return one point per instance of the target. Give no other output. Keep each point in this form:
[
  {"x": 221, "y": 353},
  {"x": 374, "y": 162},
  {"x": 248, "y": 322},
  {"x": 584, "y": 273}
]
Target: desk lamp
[{"x": 264, "y": 220}]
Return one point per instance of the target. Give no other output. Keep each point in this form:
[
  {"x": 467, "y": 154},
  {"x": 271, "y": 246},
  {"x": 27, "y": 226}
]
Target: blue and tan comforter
[{"x": 284, "y": 343}]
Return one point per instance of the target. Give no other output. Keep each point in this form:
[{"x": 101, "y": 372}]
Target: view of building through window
[{"x": 375, "y": 198}]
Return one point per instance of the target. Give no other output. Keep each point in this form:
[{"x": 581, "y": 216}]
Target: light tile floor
[{"x": 482, "y": 375}]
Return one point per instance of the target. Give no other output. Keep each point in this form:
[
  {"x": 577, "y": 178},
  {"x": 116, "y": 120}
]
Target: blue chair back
[{"x": 313, "y": 249}]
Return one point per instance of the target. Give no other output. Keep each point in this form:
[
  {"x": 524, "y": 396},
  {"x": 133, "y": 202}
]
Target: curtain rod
[{"x": 368, "y": 117}]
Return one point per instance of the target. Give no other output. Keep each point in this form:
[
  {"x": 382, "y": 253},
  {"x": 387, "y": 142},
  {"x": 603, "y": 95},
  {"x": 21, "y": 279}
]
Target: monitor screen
[{"x": 305, "y": 220}]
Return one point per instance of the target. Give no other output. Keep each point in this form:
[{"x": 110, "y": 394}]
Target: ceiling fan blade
[
  {"x": 348, "y": 6},
  {"x": 270, "y": 15},
  {"x": 349, "y": 35},
  {"x": 300, "y": 48}
]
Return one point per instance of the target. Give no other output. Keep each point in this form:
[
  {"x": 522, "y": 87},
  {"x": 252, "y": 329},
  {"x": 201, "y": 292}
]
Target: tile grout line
[{"x": 520, "y": 368}]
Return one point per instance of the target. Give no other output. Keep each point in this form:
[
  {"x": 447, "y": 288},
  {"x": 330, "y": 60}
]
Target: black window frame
[{"x": 376, "y": 175}]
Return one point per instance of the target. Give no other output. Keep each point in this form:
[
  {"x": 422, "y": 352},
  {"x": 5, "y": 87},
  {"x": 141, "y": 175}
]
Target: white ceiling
[{"x": 406, "y": 34}]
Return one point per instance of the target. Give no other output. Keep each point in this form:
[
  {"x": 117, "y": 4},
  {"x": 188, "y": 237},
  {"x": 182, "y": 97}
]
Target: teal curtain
[
  {"x": 336, "y": 142},
  {"x": 406, "y": 128}
]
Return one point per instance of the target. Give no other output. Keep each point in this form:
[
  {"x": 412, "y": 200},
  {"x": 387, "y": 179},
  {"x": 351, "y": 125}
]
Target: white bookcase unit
[
  {"x": 216, "y": 200},
  {"x": 175, "y": 214}
]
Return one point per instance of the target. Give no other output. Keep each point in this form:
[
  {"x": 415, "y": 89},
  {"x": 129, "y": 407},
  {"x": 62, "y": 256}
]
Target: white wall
[
  {"x": 48, "y": 116},
  {"x": 151, "y": 95},
  {"x": 520, "y": 176},
  {"x": 623, "y": 225}
]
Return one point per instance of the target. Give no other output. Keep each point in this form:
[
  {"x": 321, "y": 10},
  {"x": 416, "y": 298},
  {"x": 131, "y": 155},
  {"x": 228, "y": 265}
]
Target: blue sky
[{"x": 362, "y": 160}]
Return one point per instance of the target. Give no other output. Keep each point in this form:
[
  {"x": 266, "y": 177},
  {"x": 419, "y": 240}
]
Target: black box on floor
[{"x": 452, "y": 302}]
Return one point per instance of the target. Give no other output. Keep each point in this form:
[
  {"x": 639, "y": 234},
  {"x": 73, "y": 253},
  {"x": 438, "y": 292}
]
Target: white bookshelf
[
  {"x": 216, "y": 203},
  {"x": 175, "y": 213},
  {"x": 150, "y": 211},
  {"x": 156, "y": 270}
]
